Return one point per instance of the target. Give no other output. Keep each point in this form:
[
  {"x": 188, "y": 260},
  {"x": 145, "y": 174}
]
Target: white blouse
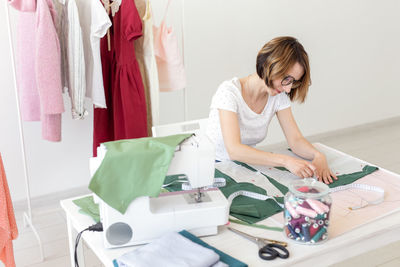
[{"x": 253, "y": 126}]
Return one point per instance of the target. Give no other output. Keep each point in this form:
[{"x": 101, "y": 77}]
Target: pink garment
[
  {"x": 39, "y": 66},
  {"x": 8, "y": 225},
  {"x": 171, "y": 72}
]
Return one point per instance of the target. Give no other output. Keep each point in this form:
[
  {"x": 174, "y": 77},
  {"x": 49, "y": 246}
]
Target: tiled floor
[{"x": 377, "y": 143}]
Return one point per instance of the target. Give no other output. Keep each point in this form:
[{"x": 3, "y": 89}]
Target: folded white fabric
[
  {"x": 220, "y": 264},
  {"x": 170, "y": 250}
]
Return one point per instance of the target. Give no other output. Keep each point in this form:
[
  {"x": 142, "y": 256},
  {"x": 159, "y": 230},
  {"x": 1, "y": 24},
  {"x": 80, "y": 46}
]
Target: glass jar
[{"x": 306, "y": 212}]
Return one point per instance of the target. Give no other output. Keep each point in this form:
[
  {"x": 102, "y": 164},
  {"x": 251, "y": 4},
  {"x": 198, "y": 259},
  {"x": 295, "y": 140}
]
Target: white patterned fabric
[
  {"x": 95, "y": 23},
  {"x": 76, "y": 62},
  {"x": 253, "y": 126},
  {"x": 170, "y": 250}
]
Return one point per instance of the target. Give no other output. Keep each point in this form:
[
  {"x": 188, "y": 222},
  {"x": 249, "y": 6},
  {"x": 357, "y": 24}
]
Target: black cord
[{"x": 98, "y": 227}]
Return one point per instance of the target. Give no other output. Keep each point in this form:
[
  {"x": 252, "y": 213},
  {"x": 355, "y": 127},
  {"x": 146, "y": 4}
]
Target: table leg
[{"x": 72, "y": 234}]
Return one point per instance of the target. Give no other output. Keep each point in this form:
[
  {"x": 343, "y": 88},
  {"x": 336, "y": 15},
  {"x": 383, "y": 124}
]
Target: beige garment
[
  {"x": 144, "y": 50},
  {"x": 62, "y": 31}
]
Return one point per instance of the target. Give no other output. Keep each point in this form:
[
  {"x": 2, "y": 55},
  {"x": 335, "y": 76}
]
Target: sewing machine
[{"x": 147, "y": 218}]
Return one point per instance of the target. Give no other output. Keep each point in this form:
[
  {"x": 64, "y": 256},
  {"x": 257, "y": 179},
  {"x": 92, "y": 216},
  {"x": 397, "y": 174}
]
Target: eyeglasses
[{"x": 290, "y": 80}]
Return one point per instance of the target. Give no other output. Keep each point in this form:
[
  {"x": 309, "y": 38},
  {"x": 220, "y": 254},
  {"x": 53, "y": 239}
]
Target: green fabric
[
  {"x": 281, "y": 168},
  {"x": 278, "y": 185},
  {"x": 278, "y": 229},
  {"x": 88, "y": 207},
  {"x": 225, "y": 258},
  {"x": 245, "y": 165},
  {"x": 133, "y": 168},
  {"x": 345, "y": 179},
  {"x": 174, "y": 184},
  {"x": 244, "y": 208}
]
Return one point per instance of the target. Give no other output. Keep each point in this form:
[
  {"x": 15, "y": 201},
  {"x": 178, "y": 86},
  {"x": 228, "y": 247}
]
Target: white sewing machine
[{"x": 147, "y": 218}]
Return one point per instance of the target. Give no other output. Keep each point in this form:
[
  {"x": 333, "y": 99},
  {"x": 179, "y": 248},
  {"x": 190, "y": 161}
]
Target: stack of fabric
[{"x": 177, "y": 249}]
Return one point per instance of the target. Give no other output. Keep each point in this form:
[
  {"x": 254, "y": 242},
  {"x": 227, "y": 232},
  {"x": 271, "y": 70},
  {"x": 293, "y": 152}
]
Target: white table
[{"x": 360, "y": 240}]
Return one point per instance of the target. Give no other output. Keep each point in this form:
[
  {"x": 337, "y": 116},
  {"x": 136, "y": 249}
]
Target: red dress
[{"x": 125, "y": 116}]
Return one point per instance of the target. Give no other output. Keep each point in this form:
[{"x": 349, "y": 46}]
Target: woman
[{"x": 242, "y": 109}]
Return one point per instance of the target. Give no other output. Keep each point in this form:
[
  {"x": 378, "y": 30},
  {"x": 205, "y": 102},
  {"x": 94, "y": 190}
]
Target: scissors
[{"x": 268, "y": 249}]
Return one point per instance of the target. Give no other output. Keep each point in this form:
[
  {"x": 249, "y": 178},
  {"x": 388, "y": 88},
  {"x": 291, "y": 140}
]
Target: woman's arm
[
  {"x": 244, "y": 153},
  {"x": 300, "y": 146}
]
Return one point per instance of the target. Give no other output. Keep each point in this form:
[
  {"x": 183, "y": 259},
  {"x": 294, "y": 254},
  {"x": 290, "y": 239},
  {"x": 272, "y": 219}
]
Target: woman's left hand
[{"x": 322, "y": 172}]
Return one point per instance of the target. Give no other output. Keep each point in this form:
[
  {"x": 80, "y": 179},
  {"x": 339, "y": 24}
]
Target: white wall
[{"x": 353, "y": 48}]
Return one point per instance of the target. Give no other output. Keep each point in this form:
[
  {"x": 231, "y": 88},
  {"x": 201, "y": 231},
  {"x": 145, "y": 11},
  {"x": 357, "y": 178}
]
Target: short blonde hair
[{"x": 276, "y": 58}]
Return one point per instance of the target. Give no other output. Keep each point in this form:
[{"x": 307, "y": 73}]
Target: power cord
[{"x": 98, "y": 227}]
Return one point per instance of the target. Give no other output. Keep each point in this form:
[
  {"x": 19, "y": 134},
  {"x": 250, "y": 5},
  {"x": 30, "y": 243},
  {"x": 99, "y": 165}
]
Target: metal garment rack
[
  {"x": 185, "y": 111},
  {"x": 27, "y": 216}
]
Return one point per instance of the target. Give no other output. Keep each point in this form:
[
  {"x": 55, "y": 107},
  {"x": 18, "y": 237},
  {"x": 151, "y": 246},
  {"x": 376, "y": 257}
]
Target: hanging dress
[
  {"x": 144, "y": 49},
  {"x": 171, "y": 71},
  {"x": 125, "y": 116}
]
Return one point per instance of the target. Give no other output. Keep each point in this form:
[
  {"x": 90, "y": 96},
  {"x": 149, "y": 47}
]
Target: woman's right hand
[{"x": 299, "y": 167}]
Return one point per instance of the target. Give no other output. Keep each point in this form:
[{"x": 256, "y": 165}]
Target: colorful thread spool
[
  {"x": 316, "y": 205},
  {"x": 287, "y": 216},
  {"x": 307, "y": 207},
  {"x": 291, "y": 230},
  {"x": 321, "y": 216},
  {"x": 314, "y": 229},
  {"x": 297, "y": 221},
  {"x": 303, "y": 189},
  {"x": 306, "y": 212},
  {"x": 318, "y": 235},
  {"x": 291, "y": 210},
  {"x": 305, "y": 227}
]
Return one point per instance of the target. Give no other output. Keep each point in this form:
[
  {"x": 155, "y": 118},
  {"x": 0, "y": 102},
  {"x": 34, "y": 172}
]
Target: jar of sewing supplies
[{"x": 306, "y": 212}]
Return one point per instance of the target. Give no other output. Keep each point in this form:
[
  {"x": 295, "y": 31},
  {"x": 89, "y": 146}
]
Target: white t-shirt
[
  {"x": 94, "y": 23},
  {"x": 253, "y": 126}
]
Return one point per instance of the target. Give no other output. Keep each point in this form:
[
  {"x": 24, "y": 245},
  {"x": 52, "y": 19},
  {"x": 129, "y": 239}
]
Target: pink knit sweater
[{"x": 39, "y": 66}]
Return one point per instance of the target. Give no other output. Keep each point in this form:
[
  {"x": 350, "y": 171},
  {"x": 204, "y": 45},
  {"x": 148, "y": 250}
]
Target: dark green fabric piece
[
  {"x": 279, "y": 199},
  {"x": 88, "y": 207},
  {"x": 225, "y": 258},
  {"x": 278, "y": 185},
  {"x": 281, "y": 168},
  {"x": 245, "y": 165},
  {"x": 345, "y": 179},
  {"x": 261, "y": 226},
  {"x": 174, "y": 186},
  {"x": 132, "y": 168},
  {"x": 245, "y": 208}
]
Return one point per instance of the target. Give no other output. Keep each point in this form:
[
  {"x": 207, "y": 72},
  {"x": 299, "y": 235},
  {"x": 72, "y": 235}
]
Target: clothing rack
[
  {"x": 185, "y": 111},
  {"x": 27, "y": 216}
]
